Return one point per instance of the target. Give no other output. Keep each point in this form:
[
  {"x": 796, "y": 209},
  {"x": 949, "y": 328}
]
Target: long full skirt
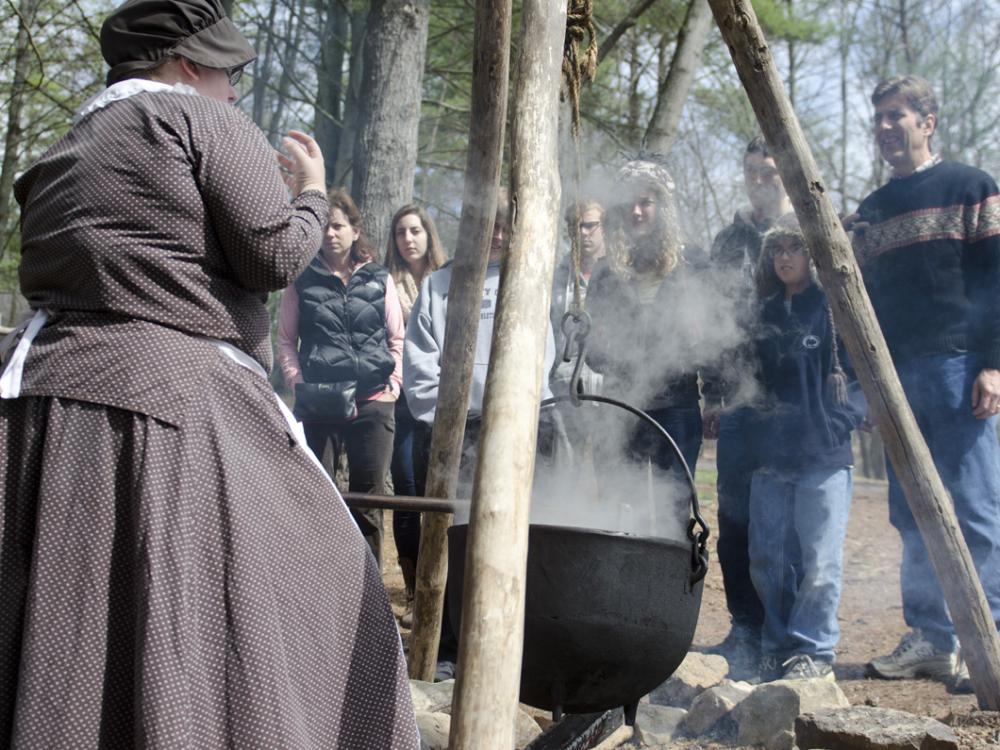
[{"x": 198, "y": 586}]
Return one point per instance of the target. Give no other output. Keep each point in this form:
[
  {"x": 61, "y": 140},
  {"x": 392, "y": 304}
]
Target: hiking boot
[
  {"x": 804, "y": 667},
  {"x": 915, "y": 656},
  {"x": 408, "y": 568},
  {"x": 962, "y": 684}
]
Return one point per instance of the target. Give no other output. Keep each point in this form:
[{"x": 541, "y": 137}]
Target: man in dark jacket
[
  {"x": 928, "y": 243},
  {"x": 727, "y": 392}
]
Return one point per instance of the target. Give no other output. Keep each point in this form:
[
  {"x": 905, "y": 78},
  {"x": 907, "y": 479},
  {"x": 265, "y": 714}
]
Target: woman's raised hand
[{"x": 303, "y": 166}]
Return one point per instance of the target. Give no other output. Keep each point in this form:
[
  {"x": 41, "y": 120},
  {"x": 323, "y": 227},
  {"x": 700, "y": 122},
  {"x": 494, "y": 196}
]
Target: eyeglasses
[
  {"x": 586, "y": 227},
  {"x": 233, "y": 74},
  {"x": 793, "y": 251}
]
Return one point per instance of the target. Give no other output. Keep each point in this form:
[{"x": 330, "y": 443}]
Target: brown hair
[
  {"x": 579, "y": 209},
  {"x": 338, "y": 197},
  {"x": 915, "y": 90},
  {"x": 435, "y": 252}
]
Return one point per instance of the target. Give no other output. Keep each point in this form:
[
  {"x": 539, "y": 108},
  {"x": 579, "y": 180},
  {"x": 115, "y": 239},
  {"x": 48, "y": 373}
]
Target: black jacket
[
  {"x": 342, "y": 329},
  {"x": 799, "y": 425},
  {"x": 734, "y": 256}
]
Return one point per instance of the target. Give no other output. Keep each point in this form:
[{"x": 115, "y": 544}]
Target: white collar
[
  {"x": 125, "y": 89},
  {"x": 933, "y": 161}
]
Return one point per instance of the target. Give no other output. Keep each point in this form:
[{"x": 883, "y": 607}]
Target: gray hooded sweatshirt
[{"x": 424, "y": 344}]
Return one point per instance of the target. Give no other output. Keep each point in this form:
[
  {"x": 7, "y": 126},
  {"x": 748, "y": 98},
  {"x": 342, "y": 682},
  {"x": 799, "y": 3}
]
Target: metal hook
[{"x": 575, "y": 327}]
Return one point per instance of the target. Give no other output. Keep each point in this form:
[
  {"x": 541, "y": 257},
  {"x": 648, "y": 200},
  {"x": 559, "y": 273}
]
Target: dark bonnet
[{"x": 141, "y": 34}]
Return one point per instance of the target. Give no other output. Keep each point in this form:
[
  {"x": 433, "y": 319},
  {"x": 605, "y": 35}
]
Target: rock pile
[{"x": 698, "y": 701}]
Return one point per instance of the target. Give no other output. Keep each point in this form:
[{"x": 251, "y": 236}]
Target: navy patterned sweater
[{"x": 931, "y": 262}]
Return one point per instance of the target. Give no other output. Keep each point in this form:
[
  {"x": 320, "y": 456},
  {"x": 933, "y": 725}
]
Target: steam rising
[{"x": 589, "y": 474}]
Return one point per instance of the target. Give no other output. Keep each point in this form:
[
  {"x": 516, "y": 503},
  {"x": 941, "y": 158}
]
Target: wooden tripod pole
[
  {"x": 490, "y": 68},
  {"x": 831, "y": 250},
  {"x": 490, "y": 643}
]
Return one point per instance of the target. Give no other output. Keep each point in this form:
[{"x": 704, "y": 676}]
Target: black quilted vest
[{"x": 342, "y": 333}]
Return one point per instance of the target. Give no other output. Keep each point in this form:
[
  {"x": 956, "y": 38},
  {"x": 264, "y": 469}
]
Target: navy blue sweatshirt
[
  {"x": 931, "y": 262},
  {"x": 799, "y": 427}
]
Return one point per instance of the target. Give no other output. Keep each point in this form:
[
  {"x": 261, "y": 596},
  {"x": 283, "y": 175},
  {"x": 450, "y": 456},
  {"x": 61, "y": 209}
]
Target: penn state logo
[{"x": 810, "y": 342}]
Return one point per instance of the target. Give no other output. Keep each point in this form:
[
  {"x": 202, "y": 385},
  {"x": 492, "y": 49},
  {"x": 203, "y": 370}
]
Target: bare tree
[
  {"x": 333, "y": 50},
  {"x": 385, "y": 152},
  {"x": 673, "y": 91},
  {"x": 25, "y": 53}
]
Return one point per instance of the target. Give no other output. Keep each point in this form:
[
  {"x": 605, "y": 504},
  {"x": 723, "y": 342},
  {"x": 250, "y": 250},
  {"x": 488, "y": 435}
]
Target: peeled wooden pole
[
  {"x": 490, "y": 67},
  {"x": 831, "y": 250},
  {"x": 490, "y": 642}
]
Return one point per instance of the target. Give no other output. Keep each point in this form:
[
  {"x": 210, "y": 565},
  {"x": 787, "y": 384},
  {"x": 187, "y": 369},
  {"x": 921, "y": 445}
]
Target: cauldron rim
[{"x": 686, "y": 543}]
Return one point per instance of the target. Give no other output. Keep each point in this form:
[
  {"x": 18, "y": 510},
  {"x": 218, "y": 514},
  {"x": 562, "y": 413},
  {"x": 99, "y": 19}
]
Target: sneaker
[
  {"x": 445, "y": 671},
  {"x": 962, "y": 683},
  {"x": 915, "y": 656},
  {"x": 804, "y": 667}
]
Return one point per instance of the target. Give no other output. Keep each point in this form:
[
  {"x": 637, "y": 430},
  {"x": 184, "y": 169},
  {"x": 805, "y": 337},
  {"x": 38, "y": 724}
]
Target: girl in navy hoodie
[{"x": 801, "y": 494}]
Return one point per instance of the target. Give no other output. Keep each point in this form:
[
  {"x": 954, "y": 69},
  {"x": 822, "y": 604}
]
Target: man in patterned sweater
[{"x": 929, "y": 246}]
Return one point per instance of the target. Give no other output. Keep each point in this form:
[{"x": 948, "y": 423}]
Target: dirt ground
[{"x": 871, "y": 618}]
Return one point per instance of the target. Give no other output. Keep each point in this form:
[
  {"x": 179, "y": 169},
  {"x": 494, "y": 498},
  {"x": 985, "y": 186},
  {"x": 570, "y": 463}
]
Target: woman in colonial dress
[{"x": 175, "y": 571}]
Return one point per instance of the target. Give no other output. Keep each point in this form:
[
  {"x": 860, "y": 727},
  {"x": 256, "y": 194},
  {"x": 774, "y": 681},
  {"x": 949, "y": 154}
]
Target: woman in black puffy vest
[{"x": 340, "y": 348}]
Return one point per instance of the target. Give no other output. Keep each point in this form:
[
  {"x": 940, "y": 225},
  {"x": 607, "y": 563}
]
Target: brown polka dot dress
[{"x": 175, "y": 571}]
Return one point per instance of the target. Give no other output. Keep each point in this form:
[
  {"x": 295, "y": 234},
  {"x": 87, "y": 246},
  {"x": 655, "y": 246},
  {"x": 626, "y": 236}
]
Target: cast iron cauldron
[{"x": 608, "y": 616}]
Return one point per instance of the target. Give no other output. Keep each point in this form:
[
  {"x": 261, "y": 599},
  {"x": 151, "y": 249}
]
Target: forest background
[{"x": 385, "y": 86}]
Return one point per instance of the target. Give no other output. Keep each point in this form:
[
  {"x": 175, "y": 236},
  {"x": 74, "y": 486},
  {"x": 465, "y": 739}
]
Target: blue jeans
[
  {"x": 736, "y": 464},
  {"x": 405, "y": 523},
  {"x": 797, "y": 526},
  {"x": 967, "y": 456}
]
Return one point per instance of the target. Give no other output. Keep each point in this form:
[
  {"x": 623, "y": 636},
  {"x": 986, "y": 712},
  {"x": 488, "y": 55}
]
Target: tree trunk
[
  {"x": 675, "y": 87},
  {"x": 491, "y": 640},
  {"x": 630, "y": 19},
  {"x": 293, "y": 40},
  {"x": 635, "y": 64},
  {"x": 352, "y": 102},
  {"x": 385, "y": 151},
  {"x": 15, "y": 106},
  {"x": 262, "y": 67},
  {"x": 490, "y": 66},
  {"x": 831, "y": 250},
  {"x": 792, "y": 77},
  {"x": 330, "y": 82},
  {"x": 844, "y": 50}
]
